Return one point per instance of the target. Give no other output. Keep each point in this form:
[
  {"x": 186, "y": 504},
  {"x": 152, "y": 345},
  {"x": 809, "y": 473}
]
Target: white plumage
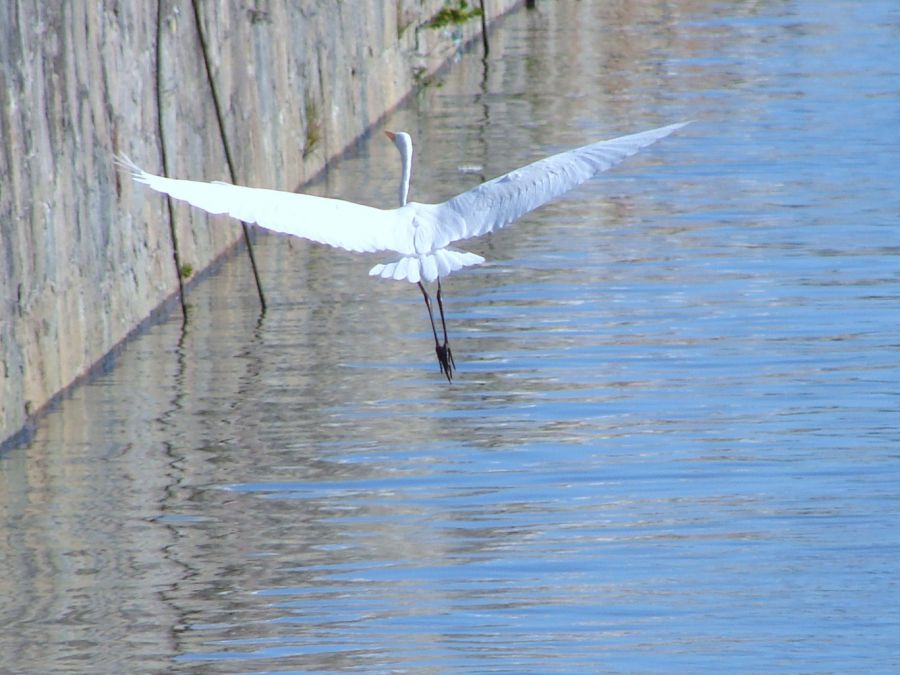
[{"x": 419, "y": 233}]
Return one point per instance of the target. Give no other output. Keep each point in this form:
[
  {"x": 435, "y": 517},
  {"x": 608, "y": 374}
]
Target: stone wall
[{"x": 262, "y": 93}]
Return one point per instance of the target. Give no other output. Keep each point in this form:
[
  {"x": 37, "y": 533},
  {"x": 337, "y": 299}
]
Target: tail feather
[{"x": 427, "y": 267}]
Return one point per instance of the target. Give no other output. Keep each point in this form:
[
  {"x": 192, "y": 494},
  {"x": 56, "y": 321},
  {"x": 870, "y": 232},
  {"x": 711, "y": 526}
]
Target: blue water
[{"x": 673, "y": 442}]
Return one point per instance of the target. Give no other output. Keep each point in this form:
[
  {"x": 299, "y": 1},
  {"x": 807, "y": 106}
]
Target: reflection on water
[{"x": 672, "y": 444}]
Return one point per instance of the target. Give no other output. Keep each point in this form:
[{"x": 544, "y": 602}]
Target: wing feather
[
  {"x": 335, "y": 222},
  {"x": 506, "y": 198}
]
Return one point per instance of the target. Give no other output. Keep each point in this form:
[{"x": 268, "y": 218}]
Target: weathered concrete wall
[{"x": 267, "y": 91}]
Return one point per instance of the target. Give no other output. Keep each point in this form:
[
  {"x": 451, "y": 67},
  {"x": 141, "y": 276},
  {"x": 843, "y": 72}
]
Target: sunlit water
[{"x": 673, "y": 443}]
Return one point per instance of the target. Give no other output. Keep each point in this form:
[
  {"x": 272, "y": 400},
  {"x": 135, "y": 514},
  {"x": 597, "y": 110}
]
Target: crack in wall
[
  {"x": 173, "y": 233},
  {"x": 220, "y": 121}
]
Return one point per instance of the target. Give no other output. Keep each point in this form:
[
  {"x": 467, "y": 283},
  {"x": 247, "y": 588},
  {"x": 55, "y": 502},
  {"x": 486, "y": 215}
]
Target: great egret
[{"x": 419, "y": 233}]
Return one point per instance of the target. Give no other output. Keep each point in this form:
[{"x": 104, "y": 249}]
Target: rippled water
[{"x": 673, "y": 443}]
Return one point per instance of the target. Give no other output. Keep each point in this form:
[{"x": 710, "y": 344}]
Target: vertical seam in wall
[
  {"x": 217, "y": 106},
  {"x": 173, "y": 232},
  {"x": 485, "y": 40}
]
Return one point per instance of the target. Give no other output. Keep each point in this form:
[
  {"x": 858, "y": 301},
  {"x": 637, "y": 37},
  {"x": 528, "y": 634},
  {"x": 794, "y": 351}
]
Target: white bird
[{"x": 420, "y": 234}]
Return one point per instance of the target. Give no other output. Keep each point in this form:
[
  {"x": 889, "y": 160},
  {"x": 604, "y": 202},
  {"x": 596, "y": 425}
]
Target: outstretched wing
[
  {"x": 502, "y": 200},
  {"x": 335, "y": 222}
]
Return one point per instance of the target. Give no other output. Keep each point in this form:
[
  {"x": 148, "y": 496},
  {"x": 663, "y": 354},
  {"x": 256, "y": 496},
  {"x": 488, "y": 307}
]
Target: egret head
[{"x": 402, "y": 140}]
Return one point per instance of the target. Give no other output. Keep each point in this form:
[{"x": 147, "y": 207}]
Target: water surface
[{"x": 672, "y": 444}]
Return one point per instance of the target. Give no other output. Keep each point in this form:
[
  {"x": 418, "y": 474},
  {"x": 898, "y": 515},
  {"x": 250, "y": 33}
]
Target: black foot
[{"x": 445, "y": 359}]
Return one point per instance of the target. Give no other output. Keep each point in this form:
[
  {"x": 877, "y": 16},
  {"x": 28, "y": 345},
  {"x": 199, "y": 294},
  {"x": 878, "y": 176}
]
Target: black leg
[
  {"x": 444, "y": 325},
  {"x": 444, "y": 361}
]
